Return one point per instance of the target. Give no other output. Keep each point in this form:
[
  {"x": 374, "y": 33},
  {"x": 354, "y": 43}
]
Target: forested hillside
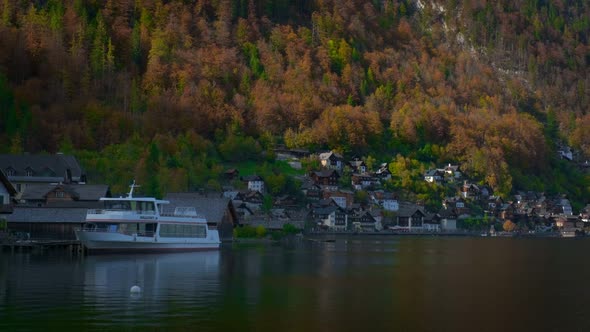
[{"x": 181, "y": 89}]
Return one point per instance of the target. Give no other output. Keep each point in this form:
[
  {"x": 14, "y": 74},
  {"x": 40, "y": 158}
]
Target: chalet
[
  {"x": 452, "y": 171},
  {"x": 343, "y": 198},
  {"x": 363, "y": 181},
  {"x": 250, "y": 196},
  {"x": 63, "y": 195},
  {"x": 25, "y": 169},
  {"x": 284, "y": 153},
  {"x": 285, "y": 201},
  {"x": 470, "y": 191},
  {"x": 388, "y": 201},
  {"x": 231, "y": 174},
  {"x": 364, "y": 221},
  {"x": 219, "y": 211},
  {"x": 383, "y": 172},
  {"x": 448, "y": 219},
  {"x": 311, "y": 191},
  {"x": 409, "y": 217},
  {"x": 7, "y": 194},
  {"x": 327, "y": 179},
  {"x": 434, "y": 176},
  {"x": 432, "y": 222},
  {"x": 458, "y": 205},
  {"x": 562, "y": 206},
  {"x": 331, "y": 217},
  {"x": 493, "y": 204},
  {"x": 331, "y": 160},
  {"x": 358, "y": 166},
  {"x": 255, "y": 183}
]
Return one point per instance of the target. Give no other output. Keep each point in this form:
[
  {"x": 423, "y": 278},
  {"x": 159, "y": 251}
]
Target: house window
[
  {"x": 29, "y": 172},
  {"x": 59, "y": 194},
  {"x": 9, "y": 172},
  {"x": 2, "y": 200}
]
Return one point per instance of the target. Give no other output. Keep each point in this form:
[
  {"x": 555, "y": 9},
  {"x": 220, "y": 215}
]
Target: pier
[{"x": 39, "y": 246}]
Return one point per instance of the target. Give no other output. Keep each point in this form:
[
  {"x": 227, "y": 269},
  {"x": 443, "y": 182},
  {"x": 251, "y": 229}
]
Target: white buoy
[{"x": 135, "y": 289}]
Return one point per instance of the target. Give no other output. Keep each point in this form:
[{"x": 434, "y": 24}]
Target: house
[
  {"x": 47, "y": 223},
  {"x": 458, "y": 206},
  {"x": 331, "y": 160},
  {"x": 25, "y": 169},
  {"x": 448, "y": 219},
  {"x": 64, "y": 195},
  {"x": 562, "y": 206},
  {"x": 326, "y": 179},
  {"x": 311, "y": 190},
  {"x": 432, "y": 222},
  {"x": 219, "y": 211},
  {"x": 363, "y": 221},
  {"x": 388, "y": 201},
  {"x": 363, "y": 181},
  {"x": 434, "y": 176},
  {"x": 255, "y": 183},
  {"x": 470, "y": 191},
  {"x": 54, "y": 211},
  {"x": 409, "y": 217},
  {"x": 331, "y": 217},
  {"x": 358, "y": 166},
  {"x": 383, "y": 172},
  {"x": 452, "y": 171},
  {"x": 343, "y": 198},
  {"x": 7, "y": 194},
  {"x": 231, "y": 174}
]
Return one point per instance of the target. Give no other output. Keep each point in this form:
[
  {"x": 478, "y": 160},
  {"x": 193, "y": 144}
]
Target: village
[{"x": 47, "y": 197}]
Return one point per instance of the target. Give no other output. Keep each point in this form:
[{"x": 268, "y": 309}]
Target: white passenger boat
[{"x": 130, "y": 224}]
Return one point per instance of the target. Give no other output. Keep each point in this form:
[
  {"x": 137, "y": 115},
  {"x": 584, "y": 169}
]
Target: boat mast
[{"x": 132, "y": 186}]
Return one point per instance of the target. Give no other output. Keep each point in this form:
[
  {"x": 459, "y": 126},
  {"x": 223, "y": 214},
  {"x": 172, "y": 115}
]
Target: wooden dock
[{"x": 39, "y": 246}]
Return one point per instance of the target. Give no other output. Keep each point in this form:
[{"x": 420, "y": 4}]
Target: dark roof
[
  {"x": 41, "y": 215},
  {"x": 252, "y": 178},
  {"x": 50, "y": 168},
  {"x": 410, "y": 210},
  {"x": 212, "y": 207},
  {"x": 7, "y": 184},
  {"x": 325, "y": 210},
  {"x": 84, "y": 192},
  {"x": 325, "y": 173}
]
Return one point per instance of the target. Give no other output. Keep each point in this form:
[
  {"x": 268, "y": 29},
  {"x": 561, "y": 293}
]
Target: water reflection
[{"x": 351, "y": 284}]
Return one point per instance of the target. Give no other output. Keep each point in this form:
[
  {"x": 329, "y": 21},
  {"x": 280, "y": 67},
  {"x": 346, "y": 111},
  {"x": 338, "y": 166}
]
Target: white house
[
  {"x": 331, "y": 160},
  {"x": 255, "y": 183}
]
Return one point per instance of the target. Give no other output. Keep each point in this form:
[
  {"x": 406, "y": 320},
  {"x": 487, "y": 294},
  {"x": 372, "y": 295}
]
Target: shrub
[
  {"x": 260, "y": 231},
  {"x": 290, "y": 229},
  {"x": 245, "y": 232}
]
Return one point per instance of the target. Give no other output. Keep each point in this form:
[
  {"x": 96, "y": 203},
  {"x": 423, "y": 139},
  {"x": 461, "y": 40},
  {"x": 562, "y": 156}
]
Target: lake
[{"x": 351, "y": 284}]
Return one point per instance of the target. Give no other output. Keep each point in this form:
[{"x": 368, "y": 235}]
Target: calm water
[{"x": 352, "y": 284}]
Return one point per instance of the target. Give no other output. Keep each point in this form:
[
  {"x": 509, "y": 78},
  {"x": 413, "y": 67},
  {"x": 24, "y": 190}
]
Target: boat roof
[{"x": 135, "y": 199}]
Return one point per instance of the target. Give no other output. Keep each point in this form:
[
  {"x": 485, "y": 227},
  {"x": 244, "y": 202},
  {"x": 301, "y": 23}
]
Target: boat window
[
  {"x": 117, "y": 205},
  {"x": 146, "y": 229},
  {"x": 178, "y": 230}
]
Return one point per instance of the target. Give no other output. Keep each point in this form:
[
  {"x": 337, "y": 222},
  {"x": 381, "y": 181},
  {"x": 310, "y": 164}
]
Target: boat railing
[
  {"x": 107, "y": 211},
  {"x": 119, "y": 231},
  {"x": 172, "y": 214}
]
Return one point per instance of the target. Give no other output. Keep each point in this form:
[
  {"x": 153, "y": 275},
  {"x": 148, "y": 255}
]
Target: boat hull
[{"x": 116, "y": 242}]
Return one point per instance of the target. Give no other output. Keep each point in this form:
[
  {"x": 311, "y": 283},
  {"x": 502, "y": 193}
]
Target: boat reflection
[{"x": 160, "y": 277}]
